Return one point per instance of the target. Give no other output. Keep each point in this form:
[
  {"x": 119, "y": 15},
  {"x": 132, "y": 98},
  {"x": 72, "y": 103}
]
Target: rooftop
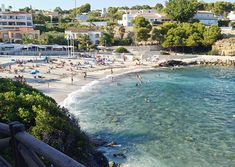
[{"x": 82, "y": 30}]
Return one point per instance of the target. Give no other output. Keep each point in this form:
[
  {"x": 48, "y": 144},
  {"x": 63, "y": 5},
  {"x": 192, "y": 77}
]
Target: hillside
[{"x": 45, "y": 120}]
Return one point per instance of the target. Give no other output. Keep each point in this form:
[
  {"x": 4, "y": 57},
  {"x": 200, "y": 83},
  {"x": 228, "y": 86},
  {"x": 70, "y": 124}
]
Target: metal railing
[{"x": 27, "y": 151}]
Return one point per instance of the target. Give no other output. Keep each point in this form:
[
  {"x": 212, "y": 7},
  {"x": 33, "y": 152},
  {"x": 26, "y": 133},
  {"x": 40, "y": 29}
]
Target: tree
[
  {"x": 180, "y": 10},
  {"x": 59, "y": 10},
  {"x": 112, "y": 11},
  {"x": 84, "y": 42},
  {"x": 85, "y": 8},
  {"x": 10, "y": 8},
  {"x": 159, "y": 7},
  {"x": 211, "y": 34},
  {"x": 156, "y": 34},
  {"x": 222, "y": 8},
  {"x": 142, "y": 34},
  {"x": 122, "y": 31},
  {"x": 106, "y": 39},
  {"x": 141, "y": 22},
  {"x": 26, "y": 9},
  {"x": 40, "y": 18},
  {"x": 114, "y": 14},
  {"x": 138, "y": 7}
]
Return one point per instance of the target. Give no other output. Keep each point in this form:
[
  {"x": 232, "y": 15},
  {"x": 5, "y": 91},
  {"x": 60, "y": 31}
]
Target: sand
[{"x": 63, "y": 76}]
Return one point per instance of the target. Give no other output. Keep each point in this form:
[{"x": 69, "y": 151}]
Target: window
[
  {"x": 20, "y": 17},
  {"x": 3, "y": 23},
  {"x": 12, "y": 23},
  {"x": 97, "y": 35},
  {"x": 29, "y": 24},
  {"x": 21, "y": 24},
  {"x": 29, "y": 18}
]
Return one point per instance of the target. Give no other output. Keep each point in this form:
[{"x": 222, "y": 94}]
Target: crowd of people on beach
[{"x": 19, "y": 78}]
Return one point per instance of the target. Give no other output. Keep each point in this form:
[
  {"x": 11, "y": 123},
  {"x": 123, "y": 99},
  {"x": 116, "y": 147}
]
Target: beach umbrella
[{"x": 34, "y": 72}]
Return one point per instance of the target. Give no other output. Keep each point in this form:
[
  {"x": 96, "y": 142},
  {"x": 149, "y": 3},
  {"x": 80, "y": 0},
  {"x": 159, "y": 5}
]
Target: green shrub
[
  {"x": 223, "y": 23},
  {"x": 121, "y": 50},
  {"x": 122, "y": 42},
  {"x": 44, "y": 119},
  {"x": 213, "y": 52}
]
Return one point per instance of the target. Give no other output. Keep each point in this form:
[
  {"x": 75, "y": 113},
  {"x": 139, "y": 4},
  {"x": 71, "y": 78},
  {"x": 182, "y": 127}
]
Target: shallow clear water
[{"x": 177, "y": 118}]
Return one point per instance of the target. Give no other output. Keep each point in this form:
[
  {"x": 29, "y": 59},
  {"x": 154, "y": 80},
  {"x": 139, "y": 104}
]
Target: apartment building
[
  {"x": 15, "y": 24},
  {"x": 151, "y": 15},
  {"x": 94, "y": 35}
]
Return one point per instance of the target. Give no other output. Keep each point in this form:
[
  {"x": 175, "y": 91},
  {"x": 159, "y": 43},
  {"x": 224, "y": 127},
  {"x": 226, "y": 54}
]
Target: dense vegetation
[
  {"x": 45, "y": 120},
  {"x": 180, "y": 36}
]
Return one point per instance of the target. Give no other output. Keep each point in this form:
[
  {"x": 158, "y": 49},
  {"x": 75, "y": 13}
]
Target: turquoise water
[{"x": 177, "y": 118}]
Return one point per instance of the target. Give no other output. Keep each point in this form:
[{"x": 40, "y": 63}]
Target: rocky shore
[
  {"x": 225, "y": 47},
  {"x": 201, "y": 60}
]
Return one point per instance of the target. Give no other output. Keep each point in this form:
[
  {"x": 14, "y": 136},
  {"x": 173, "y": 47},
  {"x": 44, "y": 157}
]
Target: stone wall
[{"x": 225, "y": 47}]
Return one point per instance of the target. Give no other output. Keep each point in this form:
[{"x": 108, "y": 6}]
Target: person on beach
[
  {"x": 85, "y": 74},
  {"x": 111, "y": 71},
  {"x": 71, "y": 79}
]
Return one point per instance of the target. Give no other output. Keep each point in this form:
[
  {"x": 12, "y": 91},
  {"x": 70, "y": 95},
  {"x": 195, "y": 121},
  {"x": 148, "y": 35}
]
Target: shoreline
[
  {"x": 63, "y": 81},
  {"x": 60, "y": 88}
]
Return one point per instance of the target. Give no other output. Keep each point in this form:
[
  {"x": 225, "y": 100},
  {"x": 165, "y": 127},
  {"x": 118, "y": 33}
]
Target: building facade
[
  {"x": 13, "y": 25},
  {"x": 206, "y": 18},
  {"x": 149, "y": 15},
  {"x": 94, "y": 35},
  {"x": 231, "y": 16}
]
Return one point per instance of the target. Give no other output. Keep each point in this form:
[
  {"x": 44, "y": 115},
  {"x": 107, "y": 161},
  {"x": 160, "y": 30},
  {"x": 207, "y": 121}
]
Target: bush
[
  {"x": 122, "y": 42},
  {"x": 232, "y": 24},
  {"x": 223, "y": 23},
  {"x": 121, "y": 50},
  {"x": 213, "y": 52},
  {"x": 44, "y": 119}
]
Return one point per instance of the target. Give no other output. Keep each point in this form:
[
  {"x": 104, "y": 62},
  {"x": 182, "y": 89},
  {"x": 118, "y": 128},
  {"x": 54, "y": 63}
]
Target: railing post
[{"x": 16, "y": 127}]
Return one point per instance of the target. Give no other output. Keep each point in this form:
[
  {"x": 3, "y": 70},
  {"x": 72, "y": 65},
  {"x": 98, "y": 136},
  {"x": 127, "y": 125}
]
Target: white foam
[{"x": 86, "y": 88}]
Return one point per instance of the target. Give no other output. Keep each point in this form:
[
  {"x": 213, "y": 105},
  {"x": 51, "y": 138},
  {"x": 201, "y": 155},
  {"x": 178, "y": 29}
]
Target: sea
[{"x": 181, "y": 117}]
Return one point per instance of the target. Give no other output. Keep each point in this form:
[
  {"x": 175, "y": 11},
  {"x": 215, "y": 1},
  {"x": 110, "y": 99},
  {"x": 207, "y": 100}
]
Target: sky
[{"x": 68, "y": 4}]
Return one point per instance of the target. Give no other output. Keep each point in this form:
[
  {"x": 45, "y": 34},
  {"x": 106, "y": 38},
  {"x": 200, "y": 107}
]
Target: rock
[
  {"x": 172, "y": 63},
  {"x": 111, "y": 164},
  {"x": 225, "y": 47},
  {"x": 98, "y": 142},
  {"x": 119, "y": 154}
]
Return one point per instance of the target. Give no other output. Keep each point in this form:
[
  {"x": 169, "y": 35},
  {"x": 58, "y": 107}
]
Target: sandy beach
[{"x": 61, "y": 76}]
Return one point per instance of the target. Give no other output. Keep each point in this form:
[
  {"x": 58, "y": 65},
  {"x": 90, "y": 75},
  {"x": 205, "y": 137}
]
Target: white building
[
  {"x": 206, "y": 17},
  {"x": 95, "y": 23},
  {"x": 103, "y": 12},
  {"x": 149, "y": 15},
  {"x": 14, "y": 24},
  {"x": 94, "y": 35},
  {"x": 231, "y": 16}
]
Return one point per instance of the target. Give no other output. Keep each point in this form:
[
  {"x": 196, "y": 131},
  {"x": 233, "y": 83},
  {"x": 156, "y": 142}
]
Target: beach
[{"x": 61, "y": 76}]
